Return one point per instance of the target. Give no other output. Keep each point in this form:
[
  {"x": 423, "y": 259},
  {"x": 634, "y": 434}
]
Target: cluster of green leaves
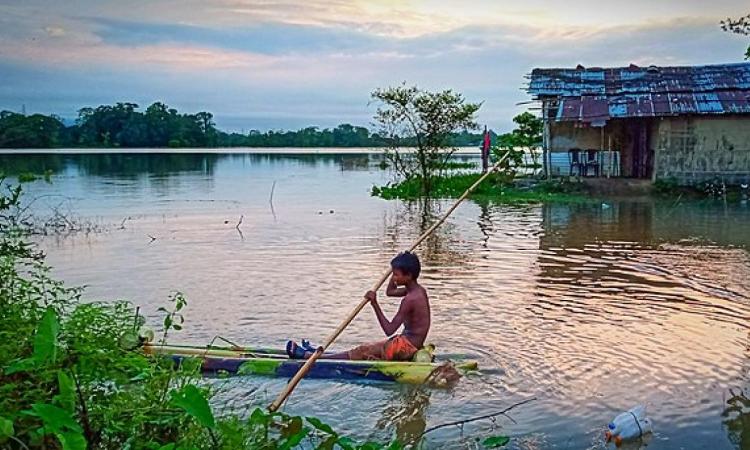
[
  {"x": 33, "y": 131},
  {"x": 119, "y": 125},
  {"x": 72, "y": 376},
  {"x": 122, "y": 125},
  {"x": 525, "y": 138},
  {"x": 738, "y": 26},
  {"x": 428, "y": 120}
]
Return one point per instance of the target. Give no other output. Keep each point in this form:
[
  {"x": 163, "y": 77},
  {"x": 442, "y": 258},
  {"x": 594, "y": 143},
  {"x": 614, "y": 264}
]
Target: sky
[{"x": 287, "y": 64}]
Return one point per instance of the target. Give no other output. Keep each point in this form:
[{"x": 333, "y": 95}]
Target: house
[{"x": 690, "y": 123}]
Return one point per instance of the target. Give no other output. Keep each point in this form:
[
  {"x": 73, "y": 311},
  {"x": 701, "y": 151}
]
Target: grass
[{"x": 495, "y": 188}]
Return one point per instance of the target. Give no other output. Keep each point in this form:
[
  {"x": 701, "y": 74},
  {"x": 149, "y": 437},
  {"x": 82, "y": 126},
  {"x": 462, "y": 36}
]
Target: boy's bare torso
[{"x": 416, "y": 314}]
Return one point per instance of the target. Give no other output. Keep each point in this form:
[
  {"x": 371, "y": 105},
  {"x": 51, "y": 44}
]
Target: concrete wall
[{"x": 702, "y": 148}]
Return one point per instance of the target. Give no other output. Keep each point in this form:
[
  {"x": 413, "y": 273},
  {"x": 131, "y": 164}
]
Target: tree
[
  {"x": 34, "y": 131},
  {"x": 123, "y": 125},
  {"x": 429, "y": 120},
  {"x": 526, "y": 137},
  {"x": 738, "y": 26}
]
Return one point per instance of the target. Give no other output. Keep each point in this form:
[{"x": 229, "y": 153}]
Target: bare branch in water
[
  {"x": 460, "y": 423},
  {"x": 270, "y": 199},
  {"x": 238, "y": 227}
]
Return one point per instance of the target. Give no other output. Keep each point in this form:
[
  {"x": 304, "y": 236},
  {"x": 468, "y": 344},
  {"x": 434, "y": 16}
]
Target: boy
[{"x": 413, "y": 314}]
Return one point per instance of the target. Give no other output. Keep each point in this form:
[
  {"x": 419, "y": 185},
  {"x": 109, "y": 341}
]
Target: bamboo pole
[{"x": 311, "y": 360}]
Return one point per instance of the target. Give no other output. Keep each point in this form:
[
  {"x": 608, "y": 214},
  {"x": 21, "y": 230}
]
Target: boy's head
[{"x": 405, "y": 267}]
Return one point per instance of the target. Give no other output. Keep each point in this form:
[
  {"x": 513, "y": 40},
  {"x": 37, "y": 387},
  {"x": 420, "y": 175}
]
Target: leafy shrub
[{"x": 71, "y": 377}]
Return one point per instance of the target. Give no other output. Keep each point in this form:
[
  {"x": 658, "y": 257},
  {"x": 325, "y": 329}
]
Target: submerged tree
[
  {"x": 738, "y": 26},
  {"x": 429, "y": 120}
]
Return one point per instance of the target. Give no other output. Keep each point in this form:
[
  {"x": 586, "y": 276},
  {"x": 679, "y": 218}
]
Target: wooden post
[{"x": 546, "y": 151}]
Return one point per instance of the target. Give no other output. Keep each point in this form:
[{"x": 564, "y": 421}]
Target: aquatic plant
[{"x": 498, "y": 188}]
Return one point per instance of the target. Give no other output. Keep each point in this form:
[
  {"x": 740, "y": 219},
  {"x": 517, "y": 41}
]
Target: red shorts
[{"x": 397, "y": 348}]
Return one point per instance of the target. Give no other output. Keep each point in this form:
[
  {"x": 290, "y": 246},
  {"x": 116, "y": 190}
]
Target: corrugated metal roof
[{"x": 595, "y": 95}]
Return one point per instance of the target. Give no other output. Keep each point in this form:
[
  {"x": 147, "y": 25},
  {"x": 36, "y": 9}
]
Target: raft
[{"x": 275, "y": 363}]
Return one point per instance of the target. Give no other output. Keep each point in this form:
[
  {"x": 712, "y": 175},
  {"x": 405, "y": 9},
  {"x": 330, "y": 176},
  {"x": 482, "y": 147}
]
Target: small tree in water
[
  {"x": 409, "y": 116},
  {"x": 527, "y": 136}
]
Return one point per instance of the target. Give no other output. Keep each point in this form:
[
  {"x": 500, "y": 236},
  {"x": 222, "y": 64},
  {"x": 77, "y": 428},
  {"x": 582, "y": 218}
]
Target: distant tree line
[{"x": 159, "y": 126}]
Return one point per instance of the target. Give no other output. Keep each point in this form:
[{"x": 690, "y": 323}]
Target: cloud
[
  {"x": 288, "y": 64},
  {"x": 268, "y": 38}
]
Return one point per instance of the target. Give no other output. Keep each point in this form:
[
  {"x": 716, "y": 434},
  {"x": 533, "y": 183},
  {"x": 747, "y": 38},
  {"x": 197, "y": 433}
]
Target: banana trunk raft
[{"x": 272, "y": 362}]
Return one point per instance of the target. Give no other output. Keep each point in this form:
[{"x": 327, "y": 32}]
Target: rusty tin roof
[{"x": 595, "y": 95}]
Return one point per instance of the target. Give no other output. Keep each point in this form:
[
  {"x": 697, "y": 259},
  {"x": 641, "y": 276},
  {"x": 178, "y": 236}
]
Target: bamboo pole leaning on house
[{"x": 287, "y": 391}]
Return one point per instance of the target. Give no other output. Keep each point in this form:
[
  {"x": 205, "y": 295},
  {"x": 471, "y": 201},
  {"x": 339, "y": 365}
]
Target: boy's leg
[
  {"x": 342, "y": 355},
  {"x": 371, "y": 351},
  {"x": 295, "y": 351}
]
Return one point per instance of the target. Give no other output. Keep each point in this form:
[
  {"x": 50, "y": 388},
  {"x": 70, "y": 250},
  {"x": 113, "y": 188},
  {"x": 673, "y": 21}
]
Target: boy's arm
[
  {"x": 389, "y": 327},
  {"x": 394, "y": 291}
]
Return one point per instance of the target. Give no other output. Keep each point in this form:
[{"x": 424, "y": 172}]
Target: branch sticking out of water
[
  {"x": 460, "y": 423},
  {"x": 270, "y": 199},
  {"x": 238, "y": 227}
]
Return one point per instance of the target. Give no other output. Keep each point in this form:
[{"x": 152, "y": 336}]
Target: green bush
[
  {"x": 73, "y": 376},
  {"x": 498, "y": 187}
]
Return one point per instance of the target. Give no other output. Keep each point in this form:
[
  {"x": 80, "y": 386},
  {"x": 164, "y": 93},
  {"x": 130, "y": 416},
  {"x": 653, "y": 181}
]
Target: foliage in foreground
[{"x": 72, "y": 378}]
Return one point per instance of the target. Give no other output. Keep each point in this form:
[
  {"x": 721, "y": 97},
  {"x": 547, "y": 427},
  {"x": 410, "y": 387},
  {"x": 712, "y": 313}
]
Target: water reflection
[
  {"x": 406, "y": 414},
  {"x": 442, "y": 251},
  {"x": 14, "y": 165},
  {"x": 590, "y": 308},
  {"x": 125, "y": 165},
  {"x": 737, "y": 419}
]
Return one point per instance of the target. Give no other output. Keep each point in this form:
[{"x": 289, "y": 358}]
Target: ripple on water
[{"x": 589, "y": 310}]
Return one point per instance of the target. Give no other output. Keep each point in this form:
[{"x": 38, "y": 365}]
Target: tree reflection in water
[{"x": 406, "y": 413}]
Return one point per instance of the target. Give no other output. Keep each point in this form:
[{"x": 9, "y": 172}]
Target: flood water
[{"x": 590, "y": 308}]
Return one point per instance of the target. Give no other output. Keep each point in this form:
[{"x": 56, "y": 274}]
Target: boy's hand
[{"x": 371, "y": 296}]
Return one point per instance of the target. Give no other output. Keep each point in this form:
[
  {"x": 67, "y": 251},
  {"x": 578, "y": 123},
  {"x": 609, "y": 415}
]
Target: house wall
[
  {"x": 690, "y": 149},
  {"x": 698, "y": 148}
]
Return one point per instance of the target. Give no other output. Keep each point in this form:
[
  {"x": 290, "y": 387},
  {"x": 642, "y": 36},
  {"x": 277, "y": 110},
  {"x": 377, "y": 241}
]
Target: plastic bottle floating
[{"x": 629, "y": 425}]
